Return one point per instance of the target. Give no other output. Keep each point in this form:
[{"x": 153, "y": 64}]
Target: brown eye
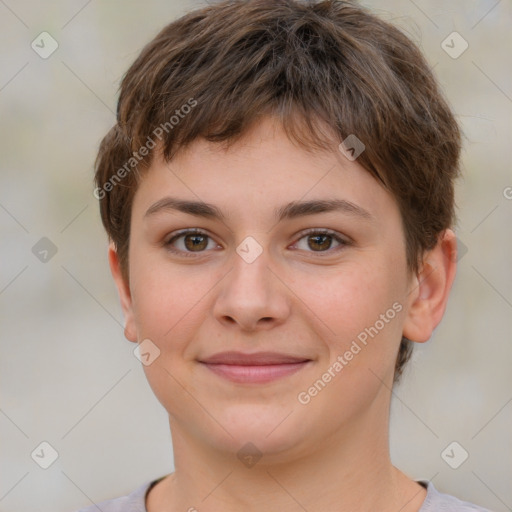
[
  {"x": 320, "y": 241},
  {"x": 188, "y": 242},
  {"x": 193, "y": 242}
]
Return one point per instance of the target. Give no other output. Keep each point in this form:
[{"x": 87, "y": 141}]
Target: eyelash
[{"x": 313, "y": 231}]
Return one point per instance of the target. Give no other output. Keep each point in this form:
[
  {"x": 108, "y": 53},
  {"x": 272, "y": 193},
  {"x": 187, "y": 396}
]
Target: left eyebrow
[
  {"x": 301, "y": 208},
  {"x": 291, "y": 210}
]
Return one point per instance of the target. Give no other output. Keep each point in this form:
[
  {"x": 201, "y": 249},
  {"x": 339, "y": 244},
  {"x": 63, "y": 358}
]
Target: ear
[
  {"x": 123, "y": 289},
  {"x": 430, "y": 289}
]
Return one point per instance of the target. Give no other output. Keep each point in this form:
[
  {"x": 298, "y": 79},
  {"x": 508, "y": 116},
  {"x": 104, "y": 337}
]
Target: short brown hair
[{"x": 309, "y": 63}]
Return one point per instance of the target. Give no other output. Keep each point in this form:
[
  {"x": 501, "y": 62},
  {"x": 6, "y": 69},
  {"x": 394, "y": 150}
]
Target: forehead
[{"x": 260, "y": 172}]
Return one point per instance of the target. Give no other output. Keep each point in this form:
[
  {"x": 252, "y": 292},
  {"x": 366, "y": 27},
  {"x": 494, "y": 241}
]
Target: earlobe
[
  {"x": 430, "y": 289},
  {"x": 124, "y": 293}
]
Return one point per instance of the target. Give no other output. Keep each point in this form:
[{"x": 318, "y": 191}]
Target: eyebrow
[{"x": 291, "y": 210}]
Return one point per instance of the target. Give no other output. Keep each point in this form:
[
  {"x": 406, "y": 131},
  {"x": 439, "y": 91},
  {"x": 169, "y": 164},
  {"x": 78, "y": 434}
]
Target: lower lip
[{"x": 255, "y": 374}]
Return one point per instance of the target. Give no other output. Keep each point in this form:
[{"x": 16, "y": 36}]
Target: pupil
[
  {"x": 195, "y": 243},
  {"x": 320, "y": 237}
]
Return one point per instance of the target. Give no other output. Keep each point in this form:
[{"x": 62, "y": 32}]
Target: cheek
[
  {"x": 352, "y": 297},
  {"x": 161, "y": 295},
  {"x": 361, "y": 313},
  {"x": 364, "y": 313},
  {"x": 170, "y": 304},
  {"x": 166, "y": 309}
]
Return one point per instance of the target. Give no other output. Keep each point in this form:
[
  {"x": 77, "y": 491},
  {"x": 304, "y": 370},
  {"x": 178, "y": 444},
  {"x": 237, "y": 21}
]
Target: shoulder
[
  {"x": 436, "y": 501},
  {"x": 133, "y": 502}
]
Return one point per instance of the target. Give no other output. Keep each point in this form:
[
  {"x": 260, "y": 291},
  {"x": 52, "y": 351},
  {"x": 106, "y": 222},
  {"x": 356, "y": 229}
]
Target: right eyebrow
[{"x": 197, "y": 208}]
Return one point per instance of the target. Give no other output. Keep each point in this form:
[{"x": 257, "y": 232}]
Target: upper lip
[{"x": 254, "y": 359}]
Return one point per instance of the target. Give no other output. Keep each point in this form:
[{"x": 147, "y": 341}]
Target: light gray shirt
[{"x": 435, "y": 501}]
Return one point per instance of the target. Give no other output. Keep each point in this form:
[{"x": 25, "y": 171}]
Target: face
[{"x": 273, "y": 321}]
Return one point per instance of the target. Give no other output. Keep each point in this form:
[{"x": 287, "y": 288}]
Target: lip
[{"x": 257, "y": 368}]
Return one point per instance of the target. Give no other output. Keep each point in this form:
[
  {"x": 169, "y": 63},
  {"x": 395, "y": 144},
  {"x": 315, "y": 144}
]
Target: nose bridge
[
  {"x": 251, "y": 275},
  {"x": 251, "y": 295}
]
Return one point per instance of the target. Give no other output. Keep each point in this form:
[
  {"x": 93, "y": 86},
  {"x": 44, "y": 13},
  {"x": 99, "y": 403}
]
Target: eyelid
[
  {"x": 186, "y": 231},
  {"x": 325, "y": 231}
]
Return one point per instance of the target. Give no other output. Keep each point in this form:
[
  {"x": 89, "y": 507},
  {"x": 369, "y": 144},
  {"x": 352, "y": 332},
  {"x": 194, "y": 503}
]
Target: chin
[{"x": 270, "y": 432}]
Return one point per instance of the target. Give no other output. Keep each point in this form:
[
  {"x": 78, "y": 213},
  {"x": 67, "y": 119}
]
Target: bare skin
[{"x": 308, "y": 295}]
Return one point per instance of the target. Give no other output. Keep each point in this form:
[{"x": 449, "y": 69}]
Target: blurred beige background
[{"x": 67, "y": 375}]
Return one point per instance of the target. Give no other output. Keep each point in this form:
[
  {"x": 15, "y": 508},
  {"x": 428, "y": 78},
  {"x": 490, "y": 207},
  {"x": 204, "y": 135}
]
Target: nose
[{"x": 252, "y": 296}]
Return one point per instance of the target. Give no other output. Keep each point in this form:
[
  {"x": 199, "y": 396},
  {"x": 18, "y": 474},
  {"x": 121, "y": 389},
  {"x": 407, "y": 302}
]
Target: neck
[{"x": 348, "y": 470}]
